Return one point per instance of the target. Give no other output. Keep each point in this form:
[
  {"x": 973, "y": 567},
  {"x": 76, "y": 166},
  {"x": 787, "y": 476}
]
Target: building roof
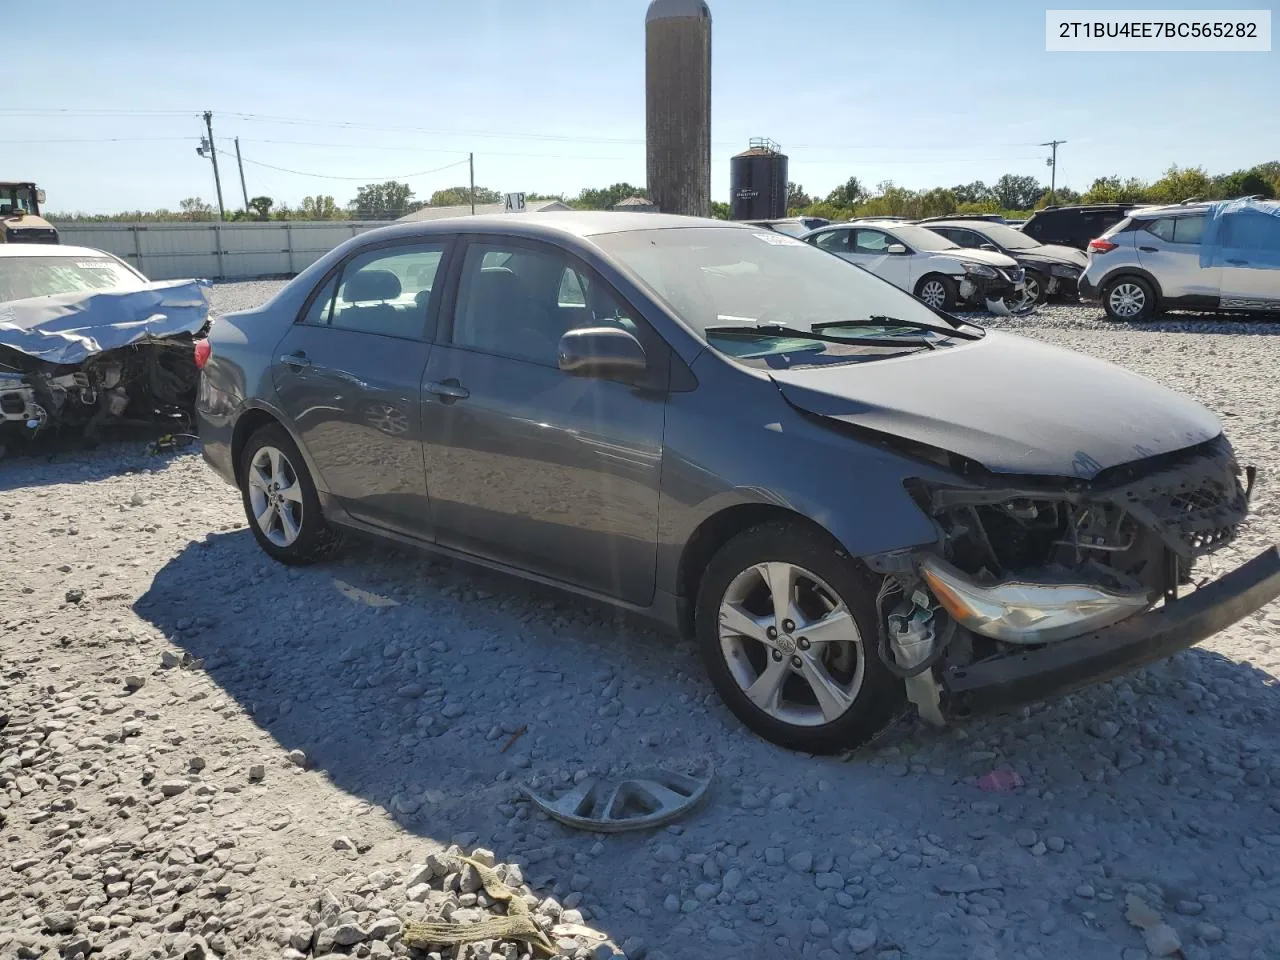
[{"x": 440, "y": 213}]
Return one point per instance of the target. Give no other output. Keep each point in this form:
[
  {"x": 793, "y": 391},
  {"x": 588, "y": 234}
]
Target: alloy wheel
[
  {"x": 1127, "y": 300},
  {"x": 275, "y": 496},
  {"x": 791, "y": 644},
  {"x": 934, "y": 294}
]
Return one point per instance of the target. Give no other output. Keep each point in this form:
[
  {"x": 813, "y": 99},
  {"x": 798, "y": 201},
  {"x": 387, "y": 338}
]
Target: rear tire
[
  {"x": 938, "y": 291},
  {"x": 1129, "y": 299},
  {"x": 817, "y": 684},
  {"x": 280, "y": 500}
]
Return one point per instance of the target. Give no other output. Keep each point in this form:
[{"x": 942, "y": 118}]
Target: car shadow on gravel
[
  {"x": 44, "y": 462},
  {"x": 432, "y": 690}
]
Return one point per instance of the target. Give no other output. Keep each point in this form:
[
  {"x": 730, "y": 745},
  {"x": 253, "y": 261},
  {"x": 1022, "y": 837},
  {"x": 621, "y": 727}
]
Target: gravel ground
[{"x": 203, "y": 753}]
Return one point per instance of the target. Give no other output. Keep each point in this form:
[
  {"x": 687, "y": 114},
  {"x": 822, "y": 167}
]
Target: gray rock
[
  {"x": 298, "y": 758},
  {"x": 343, "y": 843},
  {"x": 1208, "y": 932},
  {"x": 666, "y": 853},
  {"x": 1190, "y": 908},
  {"x": 59, "y": 921},
  {"x": 801, "y": 862},
  {"x": 1161, "y": 940},
  {"x": 349, "y": 934},
  {"x": 134, "y": 682},
  {"x": 257, "y": 771},
  {"x": 1257, "y": 912},
  {"x": 671, "y": 904},
  {"x": 719, "y": 934},
  {"x": 171, "y": 788},
  {"x": 862, "y": 939},
  {"x": 386, "y": 929},
  {"x": 829, "y": 881},
  {"x": 774, "y": 856}
]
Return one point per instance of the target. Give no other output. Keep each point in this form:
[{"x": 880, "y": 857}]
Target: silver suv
[{"x": 1197, "y": 256}]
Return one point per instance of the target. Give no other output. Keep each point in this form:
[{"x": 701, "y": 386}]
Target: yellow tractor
[{"x": 20, "y": 215}]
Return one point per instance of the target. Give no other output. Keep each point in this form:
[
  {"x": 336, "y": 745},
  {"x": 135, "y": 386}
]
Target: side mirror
[
  {"x": 896, "y": 249},
  {"x": 40, "y": 196},
  {"x": 989, "y": 247},
  {"x": 606, "y": 352}
]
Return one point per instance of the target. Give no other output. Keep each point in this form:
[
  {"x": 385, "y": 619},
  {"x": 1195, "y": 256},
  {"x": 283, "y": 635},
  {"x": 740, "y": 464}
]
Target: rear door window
[{"x": 387, "y": 291}]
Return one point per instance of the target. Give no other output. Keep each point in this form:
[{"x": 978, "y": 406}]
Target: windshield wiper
[
  {"x": 877, "y": 320},
  {"x": 778, "y": 330}
]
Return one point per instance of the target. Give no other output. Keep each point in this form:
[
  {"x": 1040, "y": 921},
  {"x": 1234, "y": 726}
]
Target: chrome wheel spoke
[
  {"x": 288, "y": 523},
  {"x": 780, "y": 578},
  {"x": 267, "y": 519},
  {"x": 258, "y": 479},
  {"x": 274, "y": 457},
  {"x": 292, "y": 492},
  {"x": 836, "y": 627},
  {"x": 735, "y": 620},
  {"x": 767, "y": 689},
  {"x": 832, "y": 699}
]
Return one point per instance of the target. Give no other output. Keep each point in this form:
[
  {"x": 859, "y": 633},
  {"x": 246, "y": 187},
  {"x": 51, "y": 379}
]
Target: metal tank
[
  {"x": 678, "y": 106},
  {"x": 758, "y": 182}
]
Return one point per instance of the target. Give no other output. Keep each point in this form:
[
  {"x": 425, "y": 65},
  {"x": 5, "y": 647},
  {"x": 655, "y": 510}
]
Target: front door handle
[
  {"x": 1238, "y": 263},
  {"x": 447, "y": 390},
  {"x": 1149, "y": 249},
  {"x": 297, "y": 360}
]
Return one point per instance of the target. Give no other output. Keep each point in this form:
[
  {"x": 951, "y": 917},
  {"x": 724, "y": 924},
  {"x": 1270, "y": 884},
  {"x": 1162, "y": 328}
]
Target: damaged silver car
[
  {"x": 86, "y": 341},
  {"x": 855, "y": 502}
]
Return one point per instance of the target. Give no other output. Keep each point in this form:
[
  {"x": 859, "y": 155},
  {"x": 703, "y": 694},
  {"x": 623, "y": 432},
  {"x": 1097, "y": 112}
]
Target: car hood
[
  {"x": 1054, "y": 253},
  {"x": 989, "y": 257},
  {"x": 1014, "y": 405}
]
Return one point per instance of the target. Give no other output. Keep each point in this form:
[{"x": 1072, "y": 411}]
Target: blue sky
[{"x": 549, "y": 94}]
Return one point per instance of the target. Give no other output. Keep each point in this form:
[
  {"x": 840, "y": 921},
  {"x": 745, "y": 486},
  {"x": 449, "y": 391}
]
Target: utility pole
[
  {"x": 240, "y": 164},
  {"x": 1053, "y": 167},
  {"x": 471, "y": 162},
  {"x": 213, "y": 155}
]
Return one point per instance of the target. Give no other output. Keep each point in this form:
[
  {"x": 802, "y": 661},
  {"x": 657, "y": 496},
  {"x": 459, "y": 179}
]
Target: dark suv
[{"x": 1075, "y": 225}]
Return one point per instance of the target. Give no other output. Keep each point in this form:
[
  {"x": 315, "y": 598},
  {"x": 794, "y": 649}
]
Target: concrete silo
[{"x": 678, "y": 105}]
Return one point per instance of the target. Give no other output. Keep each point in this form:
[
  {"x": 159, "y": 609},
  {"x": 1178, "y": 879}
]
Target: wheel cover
[
  {"x": 1127, "y": 299},
  {"x": 934, "y": 293},
  {"x": 791, "y": 644},
  {"x": 275, "y": 496}
]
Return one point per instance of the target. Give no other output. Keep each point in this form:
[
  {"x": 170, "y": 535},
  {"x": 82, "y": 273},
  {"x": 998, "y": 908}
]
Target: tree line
[
  {"x": 1016, "y": 195},
  {"x": 1013, "y": 195}
]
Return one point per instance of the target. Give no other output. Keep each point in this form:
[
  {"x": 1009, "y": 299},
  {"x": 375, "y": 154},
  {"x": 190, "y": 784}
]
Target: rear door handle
[
  {"x": 297, "y": 360},
  {"x": 447, "y": 390},
  {"x": 1149, "y": 249},
  {"x": 1238, "y": 263}
]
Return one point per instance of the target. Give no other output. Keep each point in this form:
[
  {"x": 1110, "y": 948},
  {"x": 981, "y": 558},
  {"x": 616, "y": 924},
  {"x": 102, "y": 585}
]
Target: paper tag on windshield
[
  {"x": 778, "y": 239},
  {"x": 91, "y": 264}
]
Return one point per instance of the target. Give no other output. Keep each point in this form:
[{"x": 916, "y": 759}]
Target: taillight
[
  {"x": 203, "y": 351},
  {"x": 1101, "y": 245}
]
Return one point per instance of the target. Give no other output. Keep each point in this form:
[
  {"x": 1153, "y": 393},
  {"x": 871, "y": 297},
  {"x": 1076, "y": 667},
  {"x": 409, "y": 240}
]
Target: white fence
[{"x": 218, "y": 251}]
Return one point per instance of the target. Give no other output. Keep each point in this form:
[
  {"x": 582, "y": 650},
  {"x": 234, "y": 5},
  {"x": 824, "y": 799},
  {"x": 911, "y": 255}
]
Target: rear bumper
[
  {"x": 1026, "y": 676},
  {"x": 1087, "y": 289}
]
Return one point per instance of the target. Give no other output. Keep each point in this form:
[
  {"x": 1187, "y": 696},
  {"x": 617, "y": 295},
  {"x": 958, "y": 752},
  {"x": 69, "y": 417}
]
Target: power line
[{"x": 367, "y": 179}]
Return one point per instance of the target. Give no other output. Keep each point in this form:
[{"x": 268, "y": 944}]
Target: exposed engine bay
[
  {"x": 1021, "y": 567},
  {"x": 92, "y": 359},
  {"x": 145, "y": 382}
]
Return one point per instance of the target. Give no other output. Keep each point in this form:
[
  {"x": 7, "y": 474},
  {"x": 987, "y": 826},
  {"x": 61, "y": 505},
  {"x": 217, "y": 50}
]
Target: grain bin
[
  {"x": 678, "y": 105},
  {"x": 758, "y": 182}
]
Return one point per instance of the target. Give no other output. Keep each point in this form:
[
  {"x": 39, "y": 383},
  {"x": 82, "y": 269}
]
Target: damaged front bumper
[
  {"x": 1021, "y": 676},
  {"x": 1002, "y": 294}
]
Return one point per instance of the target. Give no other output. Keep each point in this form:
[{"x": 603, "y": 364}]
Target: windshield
[
  {"x": 1006, "y": 237},
  {"x": 22, "y": 277},
  {"x": 725, "y": 277},
  {"x": 919, "y": 238},
  {"x": 15, "y": 200},
  {"x": 790, "y": 228}
]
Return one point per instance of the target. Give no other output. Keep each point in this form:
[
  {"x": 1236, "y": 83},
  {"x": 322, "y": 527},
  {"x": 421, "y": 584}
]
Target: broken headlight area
[
  {"x": 146, "y": 382},
  {"x": 997, "y": 289},
  {"x": 1025, "y": 565}
]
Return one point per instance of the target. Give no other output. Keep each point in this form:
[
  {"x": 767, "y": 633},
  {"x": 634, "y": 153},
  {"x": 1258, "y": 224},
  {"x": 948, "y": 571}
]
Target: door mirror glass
[
  {"x": 896, "y": 248},
  {"x": 40, "y": 197},
  {"x": 606, "y": 352}
]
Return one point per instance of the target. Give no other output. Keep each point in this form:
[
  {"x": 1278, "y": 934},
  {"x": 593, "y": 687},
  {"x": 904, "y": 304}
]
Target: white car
[{"x": 939, "y": 272}]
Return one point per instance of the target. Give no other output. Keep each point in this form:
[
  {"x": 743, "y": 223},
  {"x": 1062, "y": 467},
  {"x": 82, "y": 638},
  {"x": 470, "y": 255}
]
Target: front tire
[
  {"x": 280, "y": 500},
  {"x": 786, "y": 624},
  {"x": 1035, "y": 287},
  {"x": 1129, "y": 299},
  {"x": 938, "y": 291}
]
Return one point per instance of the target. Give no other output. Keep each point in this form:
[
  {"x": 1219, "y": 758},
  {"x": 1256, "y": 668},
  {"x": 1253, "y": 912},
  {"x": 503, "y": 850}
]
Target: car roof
[
  {"x": 48, "y": 250},
  {"x": 967, "y": 224},
  {"x": 1170, "y": 209},
  {"x": 551, "y": 223}
]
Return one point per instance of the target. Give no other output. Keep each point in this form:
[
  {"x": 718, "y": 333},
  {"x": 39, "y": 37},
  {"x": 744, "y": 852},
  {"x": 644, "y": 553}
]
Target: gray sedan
[{"x": 857, "y": 504}]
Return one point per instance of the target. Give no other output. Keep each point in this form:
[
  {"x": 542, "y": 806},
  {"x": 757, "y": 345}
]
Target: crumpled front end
[
  {"x": 94, "y": 359},
  {"x": 1040, "y": 587},
  {"x": 997, "y": 289}
]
